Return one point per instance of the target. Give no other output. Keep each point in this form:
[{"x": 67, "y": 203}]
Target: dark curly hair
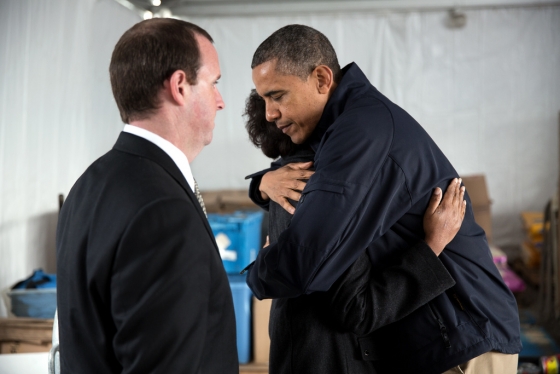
[{"x": 263, "y": 134}]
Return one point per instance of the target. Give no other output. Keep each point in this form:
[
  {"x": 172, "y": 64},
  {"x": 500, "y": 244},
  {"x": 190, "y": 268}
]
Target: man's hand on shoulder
[{"x": 286, "y": 183}]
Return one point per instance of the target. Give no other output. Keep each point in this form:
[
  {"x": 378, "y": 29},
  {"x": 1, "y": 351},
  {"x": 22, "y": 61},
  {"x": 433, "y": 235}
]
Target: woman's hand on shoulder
[{"x": 444, "y": 216}]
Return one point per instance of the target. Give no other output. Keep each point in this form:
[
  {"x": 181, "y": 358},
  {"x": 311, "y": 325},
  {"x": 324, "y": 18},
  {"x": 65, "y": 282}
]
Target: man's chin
[
  {"x": 296, "y": 139},
  {"x": 208, "y": 140}
]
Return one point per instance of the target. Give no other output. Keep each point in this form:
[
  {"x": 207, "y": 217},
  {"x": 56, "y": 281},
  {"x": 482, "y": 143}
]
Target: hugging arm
[
  {"x": 279, "y": 184},
  {"x": 364, "y": 299}
]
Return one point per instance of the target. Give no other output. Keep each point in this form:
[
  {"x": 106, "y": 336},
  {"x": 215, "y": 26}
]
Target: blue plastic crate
[
  {"x": 238, "y": 236},
  {"x": 40, "y": 303},
  {"x": 242, "y": 296}
]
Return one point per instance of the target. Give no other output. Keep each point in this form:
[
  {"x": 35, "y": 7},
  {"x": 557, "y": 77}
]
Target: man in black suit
[{"x": 141, "y": 286}]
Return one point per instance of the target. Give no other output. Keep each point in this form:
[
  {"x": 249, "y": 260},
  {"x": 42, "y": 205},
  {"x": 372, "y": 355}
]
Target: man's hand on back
[{"x": 286, "y": 183}]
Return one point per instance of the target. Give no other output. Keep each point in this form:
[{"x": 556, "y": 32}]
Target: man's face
[
  {"x": 294, "y": 105},
  {"x": 206, "y": 99}
]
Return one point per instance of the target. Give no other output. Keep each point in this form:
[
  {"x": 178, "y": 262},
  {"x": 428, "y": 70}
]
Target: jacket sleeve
[
  {"x": 356, "y": 194},
  {"x": 363, "y": 300},
  {"x": 254, "y": 193},
  {"x": 160, "y": 289}
]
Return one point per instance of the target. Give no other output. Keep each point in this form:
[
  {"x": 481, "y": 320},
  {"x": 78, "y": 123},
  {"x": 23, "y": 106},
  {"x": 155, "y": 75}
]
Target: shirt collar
[{"x": 175, "y": 153}]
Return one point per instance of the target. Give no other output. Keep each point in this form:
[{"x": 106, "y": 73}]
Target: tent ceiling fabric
[{"x": 186, "y": 8}]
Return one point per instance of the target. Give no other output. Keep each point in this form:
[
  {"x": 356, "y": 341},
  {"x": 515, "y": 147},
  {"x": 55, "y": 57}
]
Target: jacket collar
[
  {"x": 353, "y": 83},
  {"x": 141, "y": 147}
]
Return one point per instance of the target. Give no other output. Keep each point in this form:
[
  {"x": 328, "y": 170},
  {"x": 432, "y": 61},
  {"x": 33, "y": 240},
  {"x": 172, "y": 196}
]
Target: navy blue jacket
[{"x": 375, "y": 170}]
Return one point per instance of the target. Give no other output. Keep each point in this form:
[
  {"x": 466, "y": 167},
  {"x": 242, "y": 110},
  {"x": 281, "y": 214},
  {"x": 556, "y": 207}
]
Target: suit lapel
[{"x": 141, "y": 147}]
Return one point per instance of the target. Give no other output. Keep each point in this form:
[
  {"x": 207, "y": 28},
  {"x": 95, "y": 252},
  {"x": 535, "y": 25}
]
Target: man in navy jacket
[{"x": 375, "y": 169}]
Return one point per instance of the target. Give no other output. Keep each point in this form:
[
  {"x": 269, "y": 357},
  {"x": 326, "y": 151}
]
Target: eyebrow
[{"x": 271, "y": 93}]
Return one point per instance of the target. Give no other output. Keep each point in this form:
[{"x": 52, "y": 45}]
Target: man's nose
[
  {"x": 219, "y": 101},
  {"x": 272, "y": 114}
]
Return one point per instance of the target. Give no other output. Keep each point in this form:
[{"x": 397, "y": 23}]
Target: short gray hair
[{"x": 298, "y": 50}]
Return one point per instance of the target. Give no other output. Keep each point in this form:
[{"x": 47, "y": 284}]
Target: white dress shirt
[{"x": 175, "y": 153}]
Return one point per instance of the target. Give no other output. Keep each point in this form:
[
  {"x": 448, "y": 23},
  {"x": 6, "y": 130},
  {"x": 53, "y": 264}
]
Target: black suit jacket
[{"x": 141, "y": 286}]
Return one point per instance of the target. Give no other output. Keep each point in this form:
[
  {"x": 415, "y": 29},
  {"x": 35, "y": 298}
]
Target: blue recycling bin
[
  {"x": 242, "y": 297},
  {"x": 238, "y": 236}
]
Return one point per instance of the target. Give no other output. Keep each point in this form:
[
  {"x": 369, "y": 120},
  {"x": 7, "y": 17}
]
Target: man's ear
[
  {"x": 324, "y": 78},
  {"x": 178, "y": 88}
]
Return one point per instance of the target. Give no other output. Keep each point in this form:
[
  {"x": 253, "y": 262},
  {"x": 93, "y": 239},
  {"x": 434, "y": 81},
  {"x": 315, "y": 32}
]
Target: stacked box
[
  {"x": 532, "y": 246},
  {"x": 25, "y": 335},
  {"x": 227, "y": 201},
  {"x": 242, "y": 305},
  {"x": 261, "y": 339},
  {"x": 238, "y": 236},
  {"x": 480, "y": 201}
]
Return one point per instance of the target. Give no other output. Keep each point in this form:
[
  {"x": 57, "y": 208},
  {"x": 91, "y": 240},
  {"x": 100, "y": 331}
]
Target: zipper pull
[
  {"x": 443, "y": 332},
  {"x": 458, "y": 301},
  {"x": 247, "y": 268},
  {"x": 442, "y": 328}
]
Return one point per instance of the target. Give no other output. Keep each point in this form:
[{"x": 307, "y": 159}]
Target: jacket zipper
[
  {"x": 458, "y": 302},
  {"x": 442, "y": 328},
  {"x": 468, "y": 314}
]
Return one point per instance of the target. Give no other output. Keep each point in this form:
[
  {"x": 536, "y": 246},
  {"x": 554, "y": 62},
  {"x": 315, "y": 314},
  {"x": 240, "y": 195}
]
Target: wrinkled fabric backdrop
[{"x": 488, "y": 93}]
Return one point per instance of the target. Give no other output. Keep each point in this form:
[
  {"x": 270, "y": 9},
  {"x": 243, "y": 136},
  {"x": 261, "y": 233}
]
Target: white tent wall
[
  {"x": 489, "y": 94},
  {"x": 57, "y": 115}
]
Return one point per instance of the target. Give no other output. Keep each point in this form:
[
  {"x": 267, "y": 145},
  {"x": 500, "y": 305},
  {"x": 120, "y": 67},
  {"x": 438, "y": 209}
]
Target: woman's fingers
[
  {"x": 434, "y": 201},
  {"x": 444, "y": 215}
]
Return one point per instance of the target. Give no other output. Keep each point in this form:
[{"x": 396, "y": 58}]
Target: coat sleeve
[
  {"x": 254, "y": 193},
  {"x": 356, "y": 194},
  {"x": 363, "y": 300},
  {"x": 160, "y": 290}
]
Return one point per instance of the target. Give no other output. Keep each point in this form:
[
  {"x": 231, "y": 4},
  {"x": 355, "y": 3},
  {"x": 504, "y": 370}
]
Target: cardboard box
[
  {"x": 253, "y": 368},
  {"x": 530, "y": 255},
  {"x": 25, "y": 335},
  {"x": 533, "y": 223},
  {"x": 227, "y": 201},
  {"x": 22, "y": 347},
  {"x": 478, "y": 192},
  {"x": 261, "y": 339}
]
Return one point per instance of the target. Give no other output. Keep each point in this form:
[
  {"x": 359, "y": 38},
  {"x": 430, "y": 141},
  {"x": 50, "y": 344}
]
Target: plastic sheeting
[{"x": 489, "y": 94}]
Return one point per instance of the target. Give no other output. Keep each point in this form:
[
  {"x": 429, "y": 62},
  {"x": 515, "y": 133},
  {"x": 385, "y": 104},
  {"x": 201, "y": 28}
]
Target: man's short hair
[
  {"x": 298, "y": 50},
  {"x": 147, "y": 55}
]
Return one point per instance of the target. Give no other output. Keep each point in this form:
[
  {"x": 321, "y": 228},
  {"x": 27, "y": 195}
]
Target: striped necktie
[{"x": 199, "y": 198}]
